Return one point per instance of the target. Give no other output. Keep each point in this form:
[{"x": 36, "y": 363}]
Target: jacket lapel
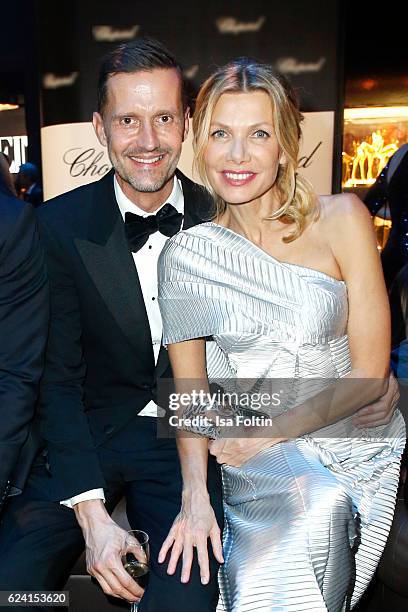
[
  {"x": 198, "y": 207},
  {"x": 198, "y": 204},
  {"x": 110, "y": 264}
]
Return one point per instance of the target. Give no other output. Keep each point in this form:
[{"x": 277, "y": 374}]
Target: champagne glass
[{"x": 136, "y": 563}]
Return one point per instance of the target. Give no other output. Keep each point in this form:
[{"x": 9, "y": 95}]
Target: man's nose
[
  {"x": 147, "y": 137},
  {"x": 238, "y": 151}
]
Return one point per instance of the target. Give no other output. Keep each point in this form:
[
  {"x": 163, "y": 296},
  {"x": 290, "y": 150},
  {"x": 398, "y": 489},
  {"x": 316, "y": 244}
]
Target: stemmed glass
[{"x": 136, "y": 563}]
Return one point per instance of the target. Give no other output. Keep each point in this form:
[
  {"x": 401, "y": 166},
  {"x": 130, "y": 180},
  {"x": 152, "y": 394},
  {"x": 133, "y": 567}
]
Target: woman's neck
[{"x": 252, "y": 219}]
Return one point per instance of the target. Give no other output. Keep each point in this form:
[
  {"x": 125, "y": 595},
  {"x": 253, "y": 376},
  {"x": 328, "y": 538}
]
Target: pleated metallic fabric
[{"x": 306, "y": 520}]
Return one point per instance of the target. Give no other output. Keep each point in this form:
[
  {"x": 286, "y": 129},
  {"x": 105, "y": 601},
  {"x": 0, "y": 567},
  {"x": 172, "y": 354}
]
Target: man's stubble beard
[{"x": 139, "y": 185}]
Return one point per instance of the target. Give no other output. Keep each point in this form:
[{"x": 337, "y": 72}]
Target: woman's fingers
[
  {"x": 215, "y": 537},
  {"x": 167, "y": 544},
  {"x": 182, "y": 543},
  {"x": 175, "y": 555},
  {"x": 202, "y": 555},
  {"x": 187, "y": 559}
]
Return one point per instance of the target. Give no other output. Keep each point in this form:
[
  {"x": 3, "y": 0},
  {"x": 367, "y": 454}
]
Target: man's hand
[
  {"x": 235, "y": 451},
  {"x": 382, "y": 411},
  {"x": 191, "y": 529},
  {"x": 106, "y": 544}
]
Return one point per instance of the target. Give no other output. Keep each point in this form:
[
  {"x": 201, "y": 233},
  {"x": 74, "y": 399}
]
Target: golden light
[
  {"x": 375, "y": 112},
  {"x": 371, "y": 136},
  {"x": 6, "y": 107},
  {"x": 368, "y": 84}
]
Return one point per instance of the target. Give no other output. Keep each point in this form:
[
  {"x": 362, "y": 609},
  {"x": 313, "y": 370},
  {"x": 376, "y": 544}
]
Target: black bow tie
[{"x": 138, "y": 229}]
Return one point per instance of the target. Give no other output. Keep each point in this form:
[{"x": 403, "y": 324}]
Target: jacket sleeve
[
  {"x": 72, "y": 456},
  {"x": 24, "y": 311}
]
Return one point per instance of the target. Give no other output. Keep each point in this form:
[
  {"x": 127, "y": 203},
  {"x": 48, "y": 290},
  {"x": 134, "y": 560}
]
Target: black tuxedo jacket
[
  {"x": 23, "y": 334},
  {"x": 100, "y": 369}
]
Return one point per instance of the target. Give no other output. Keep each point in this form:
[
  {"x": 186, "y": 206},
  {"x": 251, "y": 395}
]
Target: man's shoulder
[
  {"x": 67, "y": 202},
  {"x": 198, "y": 200},
  {"x": 71, "y": 206},
  {"x": 195, "y": 188}
]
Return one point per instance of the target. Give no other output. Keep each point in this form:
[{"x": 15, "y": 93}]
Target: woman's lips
[{"x": 237, "y": 179}]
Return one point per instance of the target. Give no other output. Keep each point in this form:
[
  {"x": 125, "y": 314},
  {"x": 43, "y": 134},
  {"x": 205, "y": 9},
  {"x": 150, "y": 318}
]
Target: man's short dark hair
[
  {"x": 29, "y": 170},
  {"x": 141, "y": 54}
]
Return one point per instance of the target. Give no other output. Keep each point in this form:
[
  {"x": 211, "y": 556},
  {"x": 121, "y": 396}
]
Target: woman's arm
[
  {"x": 349, "y": 232},
  {"x": 196, "y": 521},
  {"x": 348, "y": 228}
]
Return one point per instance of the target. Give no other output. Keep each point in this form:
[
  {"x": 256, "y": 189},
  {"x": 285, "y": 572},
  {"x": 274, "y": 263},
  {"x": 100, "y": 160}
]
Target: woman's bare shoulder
[
  {"x": 339, "y": 211},
  {"x": 348, "y": 230}
]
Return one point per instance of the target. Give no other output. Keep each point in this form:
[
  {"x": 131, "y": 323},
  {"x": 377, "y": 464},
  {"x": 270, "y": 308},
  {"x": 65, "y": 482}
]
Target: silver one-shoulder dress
[{"x": 306, "y": 520}]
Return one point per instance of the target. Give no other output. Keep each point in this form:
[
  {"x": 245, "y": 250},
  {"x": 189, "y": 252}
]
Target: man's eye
[
  {"x": 127, "y": 121},
  {"x": 164, "y": 119},
  {"x": 219, "y": 134},
  {"x": 261, "y": 134}
]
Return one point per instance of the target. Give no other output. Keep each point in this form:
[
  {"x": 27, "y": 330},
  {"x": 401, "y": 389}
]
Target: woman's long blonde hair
[{"x": 297, "y": 198}]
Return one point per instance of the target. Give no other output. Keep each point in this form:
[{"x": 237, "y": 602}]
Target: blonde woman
[{"x": 289, "y": 285}]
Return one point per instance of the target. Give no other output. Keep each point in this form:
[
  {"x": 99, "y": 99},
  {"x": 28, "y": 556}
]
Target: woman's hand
[
  {"x": 235, "y": 451},
  {"x": 191, "y": 529}
]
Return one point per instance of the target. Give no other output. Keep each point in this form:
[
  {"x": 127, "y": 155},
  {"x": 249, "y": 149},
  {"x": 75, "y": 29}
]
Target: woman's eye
[
  {"x": 261, "y": 134},
  {"x": 219, "y": 134}
]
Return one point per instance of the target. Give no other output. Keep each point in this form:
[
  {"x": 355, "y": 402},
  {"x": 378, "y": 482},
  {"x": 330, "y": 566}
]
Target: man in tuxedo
[
  {"x": 97, "y": 409},
  {"x": 104, "y": 361},
  {"x": 23, "y": 331}
]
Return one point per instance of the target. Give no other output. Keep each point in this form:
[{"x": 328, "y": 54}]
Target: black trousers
[{"x": 40, "y": 540}]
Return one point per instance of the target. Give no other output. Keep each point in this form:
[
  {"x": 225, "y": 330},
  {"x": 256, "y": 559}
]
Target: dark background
[
  {"x": 290, "y": 30},
  {"x": 39, "y": 36}
]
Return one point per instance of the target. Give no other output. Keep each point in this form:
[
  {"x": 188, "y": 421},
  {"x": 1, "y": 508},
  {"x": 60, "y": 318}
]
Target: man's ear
[
  {"x": 186, "y": 123},
  {"x": 99, "y": 128}
]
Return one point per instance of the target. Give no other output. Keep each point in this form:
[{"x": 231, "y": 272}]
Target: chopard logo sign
[
  {"x": 85, "y": 162},
  {"x": 290, "y": 65},
  {"x": 306, "y": 160},
  {"x": 54, "y": 81},
  {"x": 105, "y": 33},
  {"x": 231, "y": 25},
  {"x": 90, "y": 162}
]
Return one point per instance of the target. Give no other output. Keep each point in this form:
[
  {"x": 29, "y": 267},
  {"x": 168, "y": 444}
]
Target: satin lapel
[
  {"x": 162, "y": 363},
  {"x": 112, "y": 269},
  {"x": 198, "y": 204}
]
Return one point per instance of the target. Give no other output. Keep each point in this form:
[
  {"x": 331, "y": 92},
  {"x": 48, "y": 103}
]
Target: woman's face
[{"x": 242, "y": 155}]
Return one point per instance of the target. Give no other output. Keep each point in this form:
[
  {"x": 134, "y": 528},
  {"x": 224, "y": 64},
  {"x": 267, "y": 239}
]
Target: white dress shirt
[{"x": 146, "y": 265}]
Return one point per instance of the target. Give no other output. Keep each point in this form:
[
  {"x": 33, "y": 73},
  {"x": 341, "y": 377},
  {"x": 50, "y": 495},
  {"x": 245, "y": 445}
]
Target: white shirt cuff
[{"x": 86, "y": 496}]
